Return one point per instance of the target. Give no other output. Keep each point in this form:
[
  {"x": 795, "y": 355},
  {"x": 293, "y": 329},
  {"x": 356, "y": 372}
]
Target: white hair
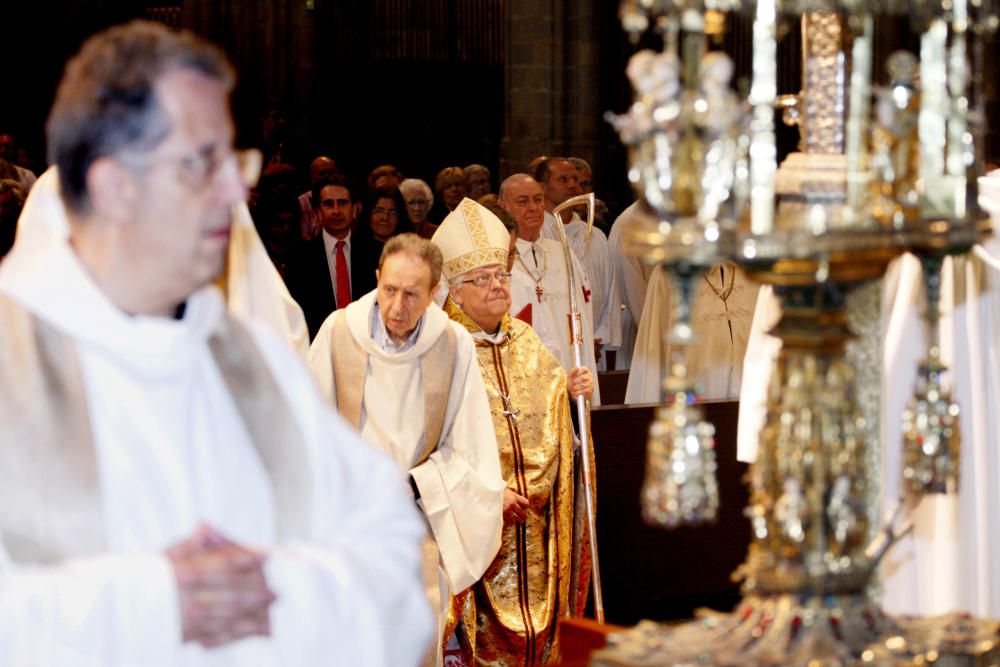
[{"x": 412, "y": 184}]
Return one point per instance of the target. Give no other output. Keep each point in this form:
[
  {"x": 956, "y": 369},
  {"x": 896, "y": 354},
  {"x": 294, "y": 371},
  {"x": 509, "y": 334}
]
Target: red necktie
[{"x": 343, "y": 282}]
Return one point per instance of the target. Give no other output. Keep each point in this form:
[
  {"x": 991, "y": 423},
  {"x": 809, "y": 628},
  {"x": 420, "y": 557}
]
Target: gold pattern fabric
[{"x": 527, "y": 587}]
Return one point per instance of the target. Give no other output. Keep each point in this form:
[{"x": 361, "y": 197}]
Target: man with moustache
[{"x": 329, "y": 272}]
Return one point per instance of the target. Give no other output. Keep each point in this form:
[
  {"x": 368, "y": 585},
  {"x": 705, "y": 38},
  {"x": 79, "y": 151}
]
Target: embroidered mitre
[{"x": 470, "y": 237}]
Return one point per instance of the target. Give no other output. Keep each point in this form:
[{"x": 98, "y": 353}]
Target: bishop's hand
[
  {"x": 515, "y": 507},
  {"x": 580, "y": 382},
  {"x": 221, "y": 588}
]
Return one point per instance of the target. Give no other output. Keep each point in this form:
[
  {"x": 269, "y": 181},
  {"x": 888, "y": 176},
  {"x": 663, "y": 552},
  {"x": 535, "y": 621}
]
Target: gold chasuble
[{"x": 526, "y": 589}]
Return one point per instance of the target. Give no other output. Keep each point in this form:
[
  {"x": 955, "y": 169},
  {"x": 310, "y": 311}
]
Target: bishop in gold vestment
[{"x": 511, "y": 614}]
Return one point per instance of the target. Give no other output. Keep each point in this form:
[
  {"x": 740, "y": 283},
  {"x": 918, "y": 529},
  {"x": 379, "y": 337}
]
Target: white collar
[{"x": 56, "y": 287}]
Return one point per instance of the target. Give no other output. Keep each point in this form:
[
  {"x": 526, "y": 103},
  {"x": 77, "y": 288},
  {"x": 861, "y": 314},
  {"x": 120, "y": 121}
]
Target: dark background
[{"x": 417, "y": 83}]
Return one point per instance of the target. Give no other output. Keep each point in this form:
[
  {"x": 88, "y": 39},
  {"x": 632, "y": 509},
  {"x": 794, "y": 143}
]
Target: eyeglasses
[
  {"x": 391, "y": 212},
  {"x": 416, "y": 202},
  {"x": 198, "y": 169},
  {"x": 484, "y": 279}
]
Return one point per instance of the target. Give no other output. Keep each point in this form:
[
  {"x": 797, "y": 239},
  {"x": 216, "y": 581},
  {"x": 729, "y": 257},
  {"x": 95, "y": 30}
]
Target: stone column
[{"x": 551, "y": 81}]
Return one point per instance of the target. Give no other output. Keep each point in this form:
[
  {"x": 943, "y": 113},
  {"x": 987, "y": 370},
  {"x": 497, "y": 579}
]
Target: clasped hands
[{"x": 221, "y": 588}]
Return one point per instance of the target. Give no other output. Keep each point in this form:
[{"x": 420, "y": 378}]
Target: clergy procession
[
  {"x": 344, "y": 419},
  {"x": 194, "y": 496}
]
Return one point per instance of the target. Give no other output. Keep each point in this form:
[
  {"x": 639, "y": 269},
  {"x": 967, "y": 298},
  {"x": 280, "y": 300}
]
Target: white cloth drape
[{"x": 632, "y": 278}]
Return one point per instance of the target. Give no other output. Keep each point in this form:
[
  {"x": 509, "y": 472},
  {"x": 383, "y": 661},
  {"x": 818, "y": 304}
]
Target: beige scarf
[
  {"x": 49, "y": 484},
  {"x": 350, "y": 366}
]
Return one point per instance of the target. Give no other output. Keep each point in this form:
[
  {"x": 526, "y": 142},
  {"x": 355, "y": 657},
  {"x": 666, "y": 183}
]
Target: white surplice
[
  {"x": 254, "y": 288},
  {"x": 173, "y": 452},
  {"x": 549, "y": 311},
  {"x": 461, "y": 489},
  {"x": 721, "y": 328},
  {"x": 595, "y": 256},
  {"x": 632, "y": 279}
]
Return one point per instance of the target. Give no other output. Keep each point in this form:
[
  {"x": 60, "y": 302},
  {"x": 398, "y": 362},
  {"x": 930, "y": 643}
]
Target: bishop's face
[{"x": 486, "y": 305}]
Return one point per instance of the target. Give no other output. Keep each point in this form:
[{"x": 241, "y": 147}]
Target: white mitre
[{"x": 471, "y": 237}]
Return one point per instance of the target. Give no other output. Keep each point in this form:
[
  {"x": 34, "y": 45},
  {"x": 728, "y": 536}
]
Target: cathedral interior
[{"x": 424, "y": 84}]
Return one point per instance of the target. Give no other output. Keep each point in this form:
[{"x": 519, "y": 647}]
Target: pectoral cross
[
  {"x": 508, "y": 410},
  {"x": 539, "y": 292}
]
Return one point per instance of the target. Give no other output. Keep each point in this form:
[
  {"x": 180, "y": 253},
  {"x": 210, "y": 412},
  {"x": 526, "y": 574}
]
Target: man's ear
[
  {"x": 356, "y": 206},
  {"x": 455, "y": 294},
  {"x": 112, "y": 189},
  {"x": 377, "y": 274}
]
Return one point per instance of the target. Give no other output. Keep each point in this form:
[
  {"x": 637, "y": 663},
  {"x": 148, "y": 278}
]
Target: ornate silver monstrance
[{"x": 878, "y": 174}]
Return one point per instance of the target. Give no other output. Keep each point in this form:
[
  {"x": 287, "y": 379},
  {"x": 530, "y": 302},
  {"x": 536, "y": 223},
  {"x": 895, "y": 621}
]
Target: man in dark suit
[{"x": 329, "y": 271}]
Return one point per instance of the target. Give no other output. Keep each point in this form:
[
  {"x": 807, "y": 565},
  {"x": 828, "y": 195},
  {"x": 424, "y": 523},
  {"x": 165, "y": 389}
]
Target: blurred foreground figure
[{"x": 174, "y": 490}]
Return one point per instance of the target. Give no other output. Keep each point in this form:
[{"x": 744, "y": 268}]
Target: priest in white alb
[
  {"x": 174, "y": 490},
  {"x": 721, "y": 314},
  {"x": 406, "y": 376},
  {"x": 539, "y": 286},
  {"x": 631, "y": 279}
]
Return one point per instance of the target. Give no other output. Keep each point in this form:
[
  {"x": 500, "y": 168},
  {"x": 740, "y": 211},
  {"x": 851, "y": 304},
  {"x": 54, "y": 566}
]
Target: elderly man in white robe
[
  {"x": 721, "y": 315},
  {"x": 175, "y": 491},
  {"x": 406, "y": 376},
  {"x": 539, "y": 287}
]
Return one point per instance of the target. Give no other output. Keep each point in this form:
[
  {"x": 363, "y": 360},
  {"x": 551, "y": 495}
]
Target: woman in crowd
[
  {"x": 450, "y": 187},
  {"x": 419, "y": 200},
  {"x": 382, "y": 217}
]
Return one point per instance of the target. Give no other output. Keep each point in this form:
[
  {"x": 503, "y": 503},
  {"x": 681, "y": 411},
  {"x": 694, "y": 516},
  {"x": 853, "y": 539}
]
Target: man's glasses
[
  {"x": 198, "y": 169},
  {"x": 484, "y": 279}
]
